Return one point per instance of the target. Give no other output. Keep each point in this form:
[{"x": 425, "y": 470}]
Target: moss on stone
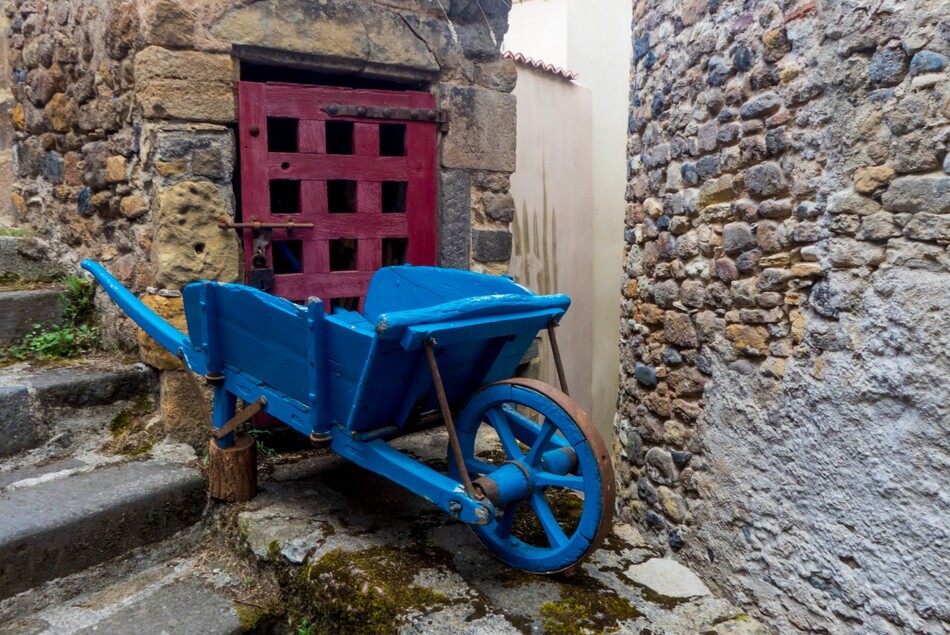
[
  {"x": 124, "y": 419},
  {"x": 359, "y": 592},
  {"x": 251, "y": 617},
  {"x": 133, "y": 430},
  {"x": 586, "y": 609}
]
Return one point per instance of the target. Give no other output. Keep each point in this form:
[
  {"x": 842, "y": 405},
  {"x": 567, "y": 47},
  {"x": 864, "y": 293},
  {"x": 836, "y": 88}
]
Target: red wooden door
[{"x": 358, "y": 165}]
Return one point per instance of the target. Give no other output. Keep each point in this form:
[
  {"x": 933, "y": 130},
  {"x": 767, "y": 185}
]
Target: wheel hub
[{"x": 510, "y": 482}]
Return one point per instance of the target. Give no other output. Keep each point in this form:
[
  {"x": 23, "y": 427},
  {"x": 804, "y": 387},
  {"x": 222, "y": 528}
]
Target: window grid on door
[{"x": 367, "y": 186}]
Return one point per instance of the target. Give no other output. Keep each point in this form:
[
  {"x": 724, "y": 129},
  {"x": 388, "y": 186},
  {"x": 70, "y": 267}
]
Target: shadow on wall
[{"x": 535, "y": 243}]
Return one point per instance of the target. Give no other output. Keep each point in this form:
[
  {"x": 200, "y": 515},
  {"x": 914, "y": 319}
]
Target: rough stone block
[
  {"x": 482, "y": 133},
  {"x": 929, "y": 227},
  {"x": 352, "y": 35},
  {"x": 717, "y": 191},
  {"x": 185, "y": 85},
  {"x": 167, "y": 23},
  {"x": 499, "y": 206},
  {"x": 751, "y": 340},
  {"x": 16, "y": 423},
  {"x": 918, "y": 194},
  {"x": 765, "y": 180},
  {"x": 850, "y": 202},
  {"x": 879, "y": 226},
  {"x": 181, "y": 410},
  {"x": 115, "y": 169},
  {"x": 491, "y": 246},
  {"x": 151, "y": 352},
  {"x": 846, "y": 252},
  {"x": 188, "y": 243},
  {"x": 737, "y": 237},
  {"x": 679, "y": 331},
  {"x": 916, "y": 152},
  {"x": 868, "y": 180},
  {"x": 455, "y": 218}
]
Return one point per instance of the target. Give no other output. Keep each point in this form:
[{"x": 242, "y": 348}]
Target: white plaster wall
[
  {"x": 538, "y": 28},
  {"x": 591, "y": 38},
  {"x": 553, "y": 227},
  {"x": 599, "y": 49}
]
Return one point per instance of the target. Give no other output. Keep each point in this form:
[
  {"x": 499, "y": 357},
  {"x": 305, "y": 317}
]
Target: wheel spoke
[
  {"x": 547, "y": 479},
  {"x": 556, "y": 536},
  {"x": 503, "y": 529},
  {"x": 547, "y": 431},
  {"x": 499, "y": 422},
  {"x": 480, "y": 467}
]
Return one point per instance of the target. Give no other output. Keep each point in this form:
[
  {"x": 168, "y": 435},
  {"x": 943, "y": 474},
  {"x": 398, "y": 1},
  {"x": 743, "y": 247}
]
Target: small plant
[
  {"x": 262, "y": 448},
  {"x": 77, "y": 335},
  {"x": 306, "y": 627}
]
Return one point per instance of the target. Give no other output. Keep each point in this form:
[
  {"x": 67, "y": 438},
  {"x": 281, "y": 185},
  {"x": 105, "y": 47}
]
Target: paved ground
[
  {"x": 327, "y": 547},
  {"x": 355, "y": 552}
]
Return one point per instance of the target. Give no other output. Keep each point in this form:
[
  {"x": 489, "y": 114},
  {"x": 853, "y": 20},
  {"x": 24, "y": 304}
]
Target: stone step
[
  {"x": 166, "y": 599},
  {"x": 23, "y": 257},
  {"x": 20, "y": 310},
  {"x": 61, "y": 521},
  {"x": 173, "y": 586},
  {"x": 37, "y": 404}
]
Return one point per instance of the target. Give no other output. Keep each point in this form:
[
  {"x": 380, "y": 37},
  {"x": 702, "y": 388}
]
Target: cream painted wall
[
  {"x": 553, "y": 228},
  {"x": 538, "y": 28},
  {"x": 592, "y": 39},
  {"x": 599, "y": 48}
]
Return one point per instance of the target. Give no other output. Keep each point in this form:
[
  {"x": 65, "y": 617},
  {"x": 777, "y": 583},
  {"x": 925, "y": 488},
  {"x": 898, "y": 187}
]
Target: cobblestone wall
[
  {"x": 785, "y": 346},
  {"x": 124, "y": 113},
  {"x": 124, "y": 117}
]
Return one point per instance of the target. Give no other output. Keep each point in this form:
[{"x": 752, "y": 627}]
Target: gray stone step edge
[
  {"x": 23, "y": 257},
  {"x": 20, "y": 310},
  {"x": 59, "y": 527},
  {"x": 26, "y": 402}
]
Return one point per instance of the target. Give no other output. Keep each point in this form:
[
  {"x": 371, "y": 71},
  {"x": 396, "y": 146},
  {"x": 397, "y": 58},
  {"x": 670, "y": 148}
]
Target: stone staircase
[
  {"x": 26, "y": 297},
  {"x": 92, "y": 539}
]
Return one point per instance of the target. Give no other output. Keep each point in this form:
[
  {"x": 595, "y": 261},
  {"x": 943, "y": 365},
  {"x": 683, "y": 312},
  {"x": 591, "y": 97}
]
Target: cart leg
[{"x": 232, "y": 459}]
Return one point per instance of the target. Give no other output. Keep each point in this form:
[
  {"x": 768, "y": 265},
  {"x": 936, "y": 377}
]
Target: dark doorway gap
[{"x": 252, "y": 72}]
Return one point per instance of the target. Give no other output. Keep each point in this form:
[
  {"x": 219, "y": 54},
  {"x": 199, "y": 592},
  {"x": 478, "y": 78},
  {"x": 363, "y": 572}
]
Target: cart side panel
[
  {"x": 261, "y": 336},
  {"x": 396, "y": 380},
  {"x": 348, "y": 345},
  {"x": 469, "y": 353}
]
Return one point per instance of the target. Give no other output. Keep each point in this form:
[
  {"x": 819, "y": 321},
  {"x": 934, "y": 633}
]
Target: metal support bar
[
  {"x": 449, "y": 422},
  {"x": 562, "y": 380},
  {"x": 256, "y": 225},
  {"x": 239, "y": 418},
  {"x": 386, "y": 112}
]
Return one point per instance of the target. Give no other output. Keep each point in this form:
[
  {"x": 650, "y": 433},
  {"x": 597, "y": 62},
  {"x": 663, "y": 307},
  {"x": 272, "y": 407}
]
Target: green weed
[{"x": 75, "y": 337}]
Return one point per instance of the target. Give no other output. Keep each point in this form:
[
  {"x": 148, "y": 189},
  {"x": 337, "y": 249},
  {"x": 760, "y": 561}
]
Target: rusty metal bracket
[
  {"x": 449, "y": 422},
  {"x": 561, "y": 378},
  {"x": 385, "y": 112},
  {"x": 257, "y": 225}
]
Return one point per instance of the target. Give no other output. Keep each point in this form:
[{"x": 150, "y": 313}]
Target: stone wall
[
  {"x": 124, "y": 116},
  {"x": 785, "y": 349}
]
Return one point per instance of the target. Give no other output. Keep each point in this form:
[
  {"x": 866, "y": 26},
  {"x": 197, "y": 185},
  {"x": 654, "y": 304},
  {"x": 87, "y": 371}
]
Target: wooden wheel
[{"x": 537, "y": 456}]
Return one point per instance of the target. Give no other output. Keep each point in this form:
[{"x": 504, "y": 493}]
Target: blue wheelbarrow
[{"x": 527, "y": 471}]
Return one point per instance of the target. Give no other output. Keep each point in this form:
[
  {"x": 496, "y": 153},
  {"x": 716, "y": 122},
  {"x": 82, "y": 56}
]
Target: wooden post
[{"x": 232, "y": 472}]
